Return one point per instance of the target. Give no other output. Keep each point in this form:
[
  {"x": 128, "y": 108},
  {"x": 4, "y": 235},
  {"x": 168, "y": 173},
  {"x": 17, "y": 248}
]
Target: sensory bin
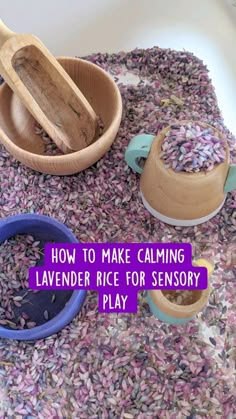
[{"x": 129, "y": 365}]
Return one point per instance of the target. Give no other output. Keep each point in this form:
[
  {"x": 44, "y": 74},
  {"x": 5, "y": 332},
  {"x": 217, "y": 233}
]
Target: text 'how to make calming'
[{"x": 118, "y": 255}]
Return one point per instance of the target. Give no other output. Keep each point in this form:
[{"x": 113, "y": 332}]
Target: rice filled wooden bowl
[{"x": 18, "y": 131}]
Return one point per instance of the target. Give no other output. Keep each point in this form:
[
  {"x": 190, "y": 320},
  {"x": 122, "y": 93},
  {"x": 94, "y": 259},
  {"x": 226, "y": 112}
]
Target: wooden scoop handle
[{"x": 5, "y": 33}]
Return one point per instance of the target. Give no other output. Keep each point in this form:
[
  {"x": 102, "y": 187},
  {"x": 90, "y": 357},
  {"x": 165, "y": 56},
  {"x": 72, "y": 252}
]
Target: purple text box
[{"x": 118, "y": 270}]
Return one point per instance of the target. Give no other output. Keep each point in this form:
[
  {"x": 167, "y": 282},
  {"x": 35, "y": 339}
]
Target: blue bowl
[
  {"x": 164, "y": 317},
  {"x": 44, "y": 229}
]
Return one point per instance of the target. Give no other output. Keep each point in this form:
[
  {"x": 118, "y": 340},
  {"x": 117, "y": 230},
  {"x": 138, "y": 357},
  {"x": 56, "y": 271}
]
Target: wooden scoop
[{"x": 47, "y": 91}]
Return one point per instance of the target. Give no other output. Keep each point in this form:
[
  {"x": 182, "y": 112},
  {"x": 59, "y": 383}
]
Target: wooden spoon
[{"x": 47, "y": 91}]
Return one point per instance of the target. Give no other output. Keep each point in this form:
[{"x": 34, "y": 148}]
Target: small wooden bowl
[
  {"x": 182, "y": 196},
  {"x": 172, "y": 313},
  {"x": 17, "y": 132},
  {"x": 168, "y": 312}
]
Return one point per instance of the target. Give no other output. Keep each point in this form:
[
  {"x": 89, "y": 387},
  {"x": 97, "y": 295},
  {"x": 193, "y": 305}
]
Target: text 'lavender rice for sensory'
[{"x": 118, "y": 271}]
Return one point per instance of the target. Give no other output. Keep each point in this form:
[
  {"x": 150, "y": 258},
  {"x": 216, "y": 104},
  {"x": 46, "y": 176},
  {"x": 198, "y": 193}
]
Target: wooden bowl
[
  {"x": 17, "y": 132},
  {"x": 182, "y": 196},
  {"x": 173, "y": 313}
]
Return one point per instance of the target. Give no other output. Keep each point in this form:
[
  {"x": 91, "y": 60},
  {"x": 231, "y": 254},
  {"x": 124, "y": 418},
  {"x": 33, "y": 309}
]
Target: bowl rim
[
  {"x": 66, "y": 159},
  {"x": 74, "y": 304},
  {"x": 157, "y": 143}
]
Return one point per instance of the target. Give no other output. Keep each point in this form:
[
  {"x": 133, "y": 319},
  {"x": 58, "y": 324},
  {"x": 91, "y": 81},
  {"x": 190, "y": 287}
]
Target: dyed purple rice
[
  {"x": 17, "y": 255},
  {"x": 192, "y": 148},
  {"x": 95, "y": 367}
]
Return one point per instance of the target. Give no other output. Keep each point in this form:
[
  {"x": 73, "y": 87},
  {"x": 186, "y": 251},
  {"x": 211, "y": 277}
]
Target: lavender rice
[
  {"x": 16, "y": 256},
  {"x": 192, "y": 148},
  {"x": 132, "y": 365},
  {"x": 20, "y": 307}
]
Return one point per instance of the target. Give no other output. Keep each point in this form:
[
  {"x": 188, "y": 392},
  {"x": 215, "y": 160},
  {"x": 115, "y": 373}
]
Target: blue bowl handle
[
  {"x": 230, "y": 183},
  {"x": 138, "y": 147}
]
